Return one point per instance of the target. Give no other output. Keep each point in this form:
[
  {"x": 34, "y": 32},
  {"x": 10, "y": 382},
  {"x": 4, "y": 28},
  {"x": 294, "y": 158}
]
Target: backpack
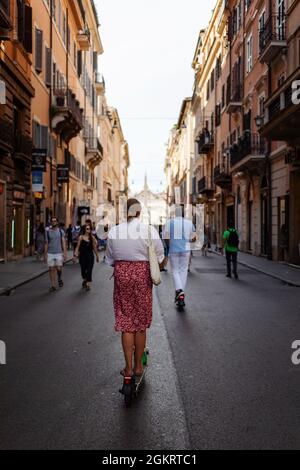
[
  {"x": 75, "y": 234},
  {"x": 233, "y": 239}
]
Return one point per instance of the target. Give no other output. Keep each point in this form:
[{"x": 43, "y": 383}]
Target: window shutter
[
  {"x": 48, "y": 66},
  {"x": 230, "y": 28},
  {"x": 38, "y": 50},
  {"x": 28, "y": 29},
  {"x": 44, "y": 137},
  {"x": 95, "y": 61},
  {"x": 79, "y": 63}
]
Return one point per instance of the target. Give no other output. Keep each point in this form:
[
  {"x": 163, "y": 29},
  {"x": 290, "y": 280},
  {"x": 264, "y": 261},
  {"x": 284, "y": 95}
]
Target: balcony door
[{"x": 281, "y": 19}]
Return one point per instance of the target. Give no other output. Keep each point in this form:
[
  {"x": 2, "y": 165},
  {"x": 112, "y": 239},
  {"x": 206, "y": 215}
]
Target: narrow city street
[{"x": 220, "y": 373}]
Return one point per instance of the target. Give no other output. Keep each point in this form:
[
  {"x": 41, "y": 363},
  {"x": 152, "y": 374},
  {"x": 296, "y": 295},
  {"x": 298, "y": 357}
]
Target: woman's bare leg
[
  {"x": 140, "y": 344},
  {"x": 128, "y": 346}
]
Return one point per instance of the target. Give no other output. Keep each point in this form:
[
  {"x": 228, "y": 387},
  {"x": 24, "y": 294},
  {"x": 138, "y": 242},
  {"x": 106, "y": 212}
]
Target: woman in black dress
[{"x": 86, "y": 247}]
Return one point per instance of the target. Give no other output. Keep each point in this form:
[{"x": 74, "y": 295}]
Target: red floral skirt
[{"x": 132, "y": 296}]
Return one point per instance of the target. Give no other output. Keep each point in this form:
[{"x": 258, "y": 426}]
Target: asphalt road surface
[{"x": 220, "y": 373}]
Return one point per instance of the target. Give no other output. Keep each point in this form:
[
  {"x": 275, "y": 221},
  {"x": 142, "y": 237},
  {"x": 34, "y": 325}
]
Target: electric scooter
[{"x": 132, "y": 384}]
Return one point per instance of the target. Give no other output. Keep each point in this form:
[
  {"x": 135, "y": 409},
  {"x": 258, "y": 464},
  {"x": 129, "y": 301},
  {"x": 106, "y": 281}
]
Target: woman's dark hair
[
  {"x": 134, "y": 208},
  {"x": 84, "y": 231}
]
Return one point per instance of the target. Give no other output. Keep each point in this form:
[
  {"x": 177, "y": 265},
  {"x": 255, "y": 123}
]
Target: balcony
[
  {"x": 272, "y": 38},
  {"x": 83, "y": 39},
  {"x": 205, "y": 142},
  {"x": 22, "y": 147},
  {"x": 248, "y": 153},
  {"x": 6, "y": 136},
  {"x": 5, "y": 20},
  {"x": 282, "y": 113},
  {"x": 222, "y": 178},
  {"x": 234, "y": 98},
  {"x": 205, "y": 186},
  {"x": 94, "y": 152},
  {"x": 99, "y": 82},
  {"x": 66, "y": 114}
]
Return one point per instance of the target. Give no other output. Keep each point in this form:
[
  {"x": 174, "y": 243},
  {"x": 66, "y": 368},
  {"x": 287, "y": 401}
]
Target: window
[
  {"x": 212, "y": 80},
  {"x": 54, "y": 75},
  {"x": 261, "y": 106},
  {"x": 38, "y": 50},
  {"x": 24, "y": 13},
  {"x": 249, "y": 54},
  {"x": 207, "y": 91},
  {"x": 247, "y": 5},
  {"x": 281, "y": 19},
  {"x": 223, "y": 96},
  {"x": 64, "y": 30},
  {"x": 262, "y": 21}
]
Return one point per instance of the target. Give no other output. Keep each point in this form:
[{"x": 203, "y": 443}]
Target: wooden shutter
[
  {"x": 28, "y": 29},
  {"x": 95, "y": 61},
  {"x": 38, "y": 50},
  {"x": 48, "y": 73},
  {"x": 230, "y": 29},
  {"x": 79, "y": 63},
  {"x": 44, "y": 137}
]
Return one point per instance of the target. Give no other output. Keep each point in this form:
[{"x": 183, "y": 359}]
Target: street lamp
[{"x": 259, "y": 121}]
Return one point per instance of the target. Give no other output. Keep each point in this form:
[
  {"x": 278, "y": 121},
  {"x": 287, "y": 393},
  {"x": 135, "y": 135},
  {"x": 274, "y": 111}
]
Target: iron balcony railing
[
  {"x": 234, "y": 93},
  {"x": 65, "y": 99},
  {"x": 205, "y": 184},
  {"x": 248, "y": 144},
  {"x": 205, "y": 141},
  {"x": 94, "y": 144},
  {"x": 273, "y": 30}
]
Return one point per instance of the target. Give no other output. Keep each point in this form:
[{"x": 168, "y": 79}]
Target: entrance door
[
  {"x": 2, "y": 220},
  {"x": 230, "y": 214},
  {"x": 264, "y": 224}
]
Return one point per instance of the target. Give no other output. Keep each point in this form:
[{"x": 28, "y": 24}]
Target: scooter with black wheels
[
  {"x": 180, "y": 302},
  {"x": 132, "y": 384}
]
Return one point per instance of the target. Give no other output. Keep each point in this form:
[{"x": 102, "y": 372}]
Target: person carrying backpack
[
  {"x": 55, "y": 252},
  {"x": 231, "y": 242}
]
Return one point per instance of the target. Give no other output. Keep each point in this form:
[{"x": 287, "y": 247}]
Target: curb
[
  {"x": 8, "y": 290},
  {"x": 274, "y": 276}
]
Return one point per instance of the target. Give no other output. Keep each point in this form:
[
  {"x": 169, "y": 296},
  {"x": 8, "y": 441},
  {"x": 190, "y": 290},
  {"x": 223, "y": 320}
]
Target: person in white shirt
[
  {"x": 127, "y": 252},
  {"x": 179, "y": 232}
]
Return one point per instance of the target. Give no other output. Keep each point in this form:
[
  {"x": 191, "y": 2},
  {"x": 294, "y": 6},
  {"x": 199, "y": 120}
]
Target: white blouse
[{"x": 129, "y": 242}]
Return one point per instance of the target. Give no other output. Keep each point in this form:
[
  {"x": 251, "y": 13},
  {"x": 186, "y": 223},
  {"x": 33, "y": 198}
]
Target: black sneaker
[
  {"x": 228, "y": 275},
  {"x": 236, "y": 276}
]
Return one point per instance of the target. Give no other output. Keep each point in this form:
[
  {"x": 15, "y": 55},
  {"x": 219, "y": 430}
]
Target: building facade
[
  {"x": 246, "y": 164},
  {"x": 52, "y": 141},
  {"x": 17, "y": 91}
]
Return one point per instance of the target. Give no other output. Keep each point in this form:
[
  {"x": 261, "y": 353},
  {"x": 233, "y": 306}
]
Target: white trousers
[{"x": 180, "y": 264}]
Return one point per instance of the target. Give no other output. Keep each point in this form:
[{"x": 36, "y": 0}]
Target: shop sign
[
  {"x": 83, "y": 210},
  {"x": 39, "y": 158},
  {"x": 37, "y": 181},
  {"x": 62, "y": 172}
]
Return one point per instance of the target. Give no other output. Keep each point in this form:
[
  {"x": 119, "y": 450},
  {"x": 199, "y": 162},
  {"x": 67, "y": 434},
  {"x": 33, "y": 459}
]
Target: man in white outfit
[{"x": 180, "y": 232}]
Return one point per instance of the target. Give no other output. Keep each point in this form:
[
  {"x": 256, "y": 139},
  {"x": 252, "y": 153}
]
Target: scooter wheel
[{"x": 127, "y": 391}]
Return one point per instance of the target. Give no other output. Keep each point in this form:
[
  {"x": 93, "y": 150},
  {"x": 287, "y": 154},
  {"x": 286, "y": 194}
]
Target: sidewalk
[
  {"x": 281, "y": 271},
  {"x": 14, "y": 274}
]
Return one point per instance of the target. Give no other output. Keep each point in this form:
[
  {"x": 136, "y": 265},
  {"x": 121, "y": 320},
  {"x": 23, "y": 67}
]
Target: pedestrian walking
[
  {"x": 85, "y": 250},
  {"x": 180, "y": 232},
  {"x": 76, "y": 232},
  {"x": 127, "y": 251},
  {"x": 231, "y": 244},
  {"x": 69, "y": 237},
  {"x": 40, "y": 241},
  {"x": 55, "y": 252},
  {"x": 206, "y": 243}
]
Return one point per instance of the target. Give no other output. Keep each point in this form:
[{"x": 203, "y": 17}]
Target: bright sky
[{"x": 148, "y": 51}]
